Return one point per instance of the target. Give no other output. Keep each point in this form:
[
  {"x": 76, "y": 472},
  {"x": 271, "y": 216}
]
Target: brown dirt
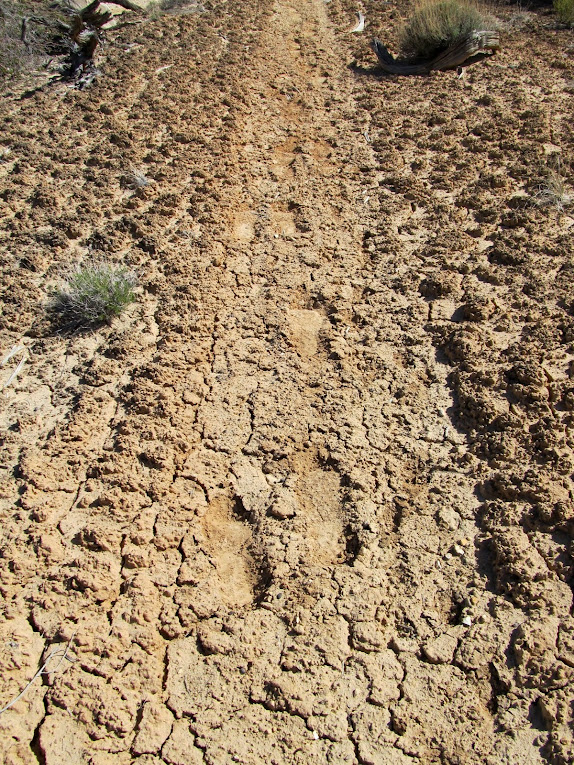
[{"x": 310, "y": 499}]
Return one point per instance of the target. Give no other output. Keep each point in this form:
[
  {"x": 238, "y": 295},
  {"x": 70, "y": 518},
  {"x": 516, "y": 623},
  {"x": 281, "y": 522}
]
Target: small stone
[
  {"x": 284, "y": 504},
  {"x": 441, "y": 649},
  {"x": 448, "y": 556},
  {"x": 458, "y": 550},
  {"x": 467, "y": 621},
  {"x": 448, "y": 517}
]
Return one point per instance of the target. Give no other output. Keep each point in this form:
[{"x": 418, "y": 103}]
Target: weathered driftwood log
[
  {"x": 78, "y": 34},
  {"x": 125, "y": 4},
  {"x": 478, "y": 42},
  {"x": 86, "y": 31}
]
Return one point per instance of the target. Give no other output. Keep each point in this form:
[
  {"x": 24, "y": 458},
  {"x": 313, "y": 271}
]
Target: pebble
[
  {"x": 441, "y": 650},
  {"x": 315, "y": 735},
  {"x": 467, "y": 621},
  {"x": 449, "y": 518},
  {"x": 458, "y": 549}
]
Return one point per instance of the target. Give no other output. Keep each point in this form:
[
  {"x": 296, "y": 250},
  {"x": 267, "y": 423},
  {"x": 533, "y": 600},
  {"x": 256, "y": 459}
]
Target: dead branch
[
  {"x": 57, "y": 653},
  {"x": 484, "y": 42},
  {"x": 125, "y": 4},
  {"x": 26, "y": 21}
]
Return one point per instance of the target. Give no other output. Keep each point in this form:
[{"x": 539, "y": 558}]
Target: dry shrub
[
  {"x": 13, "y": 52},
  {"x": 565, "y": 11},
  {"x": 43, "y": 34},
  {"x": 93, "y": 294},
  {"x": 554, "y": 191},
  {"x": 437, "y": 24}
]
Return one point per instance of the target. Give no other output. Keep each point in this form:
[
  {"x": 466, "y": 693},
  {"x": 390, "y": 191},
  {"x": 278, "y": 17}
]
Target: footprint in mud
[
  {"x": 242, "y": 226},
  {"x": 318, "y": 496},
  {"x": 225, "y": 540},
  {"x": 304, "y": 328}
]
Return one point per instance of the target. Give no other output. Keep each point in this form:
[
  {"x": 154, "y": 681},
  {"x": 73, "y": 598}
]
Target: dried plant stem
[{"x": 62, "y": 653}]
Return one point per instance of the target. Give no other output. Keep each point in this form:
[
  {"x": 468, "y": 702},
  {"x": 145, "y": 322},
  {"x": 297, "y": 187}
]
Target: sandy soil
[{"x": 310, "y": 499}]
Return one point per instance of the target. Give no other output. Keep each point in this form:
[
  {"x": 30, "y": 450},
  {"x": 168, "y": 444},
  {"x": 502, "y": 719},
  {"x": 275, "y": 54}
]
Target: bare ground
[{"x": 310, "y": 498}]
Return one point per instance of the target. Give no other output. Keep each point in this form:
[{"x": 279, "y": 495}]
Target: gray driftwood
[{"x": 472, "y": 45}]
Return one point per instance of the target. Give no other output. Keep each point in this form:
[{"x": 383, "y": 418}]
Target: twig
[
  {"x": 63, "y": 653},
  {"x": 15, "y": 373},
  {"x": 16, "y": 349},
  {"x": 360, "y": 26}
]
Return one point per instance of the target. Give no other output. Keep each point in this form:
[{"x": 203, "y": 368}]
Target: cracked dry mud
[{"x": 310, "y": 498}]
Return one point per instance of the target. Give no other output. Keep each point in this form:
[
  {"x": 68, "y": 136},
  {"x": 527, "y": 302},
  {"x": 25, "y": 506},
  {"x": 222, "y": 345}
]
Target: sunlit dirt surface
[{"x": 309, "y": 500}]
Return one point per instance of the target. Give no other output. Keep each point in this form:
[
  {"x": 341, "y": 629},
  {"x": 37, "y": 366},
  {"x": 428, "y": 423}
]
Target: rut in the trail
[{"x": 309, "y": 458}]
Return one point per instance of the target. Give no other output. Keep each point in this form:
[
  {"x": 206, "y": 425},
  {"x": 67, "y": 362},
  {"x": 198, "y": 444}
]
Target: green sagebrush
[
  {"x": 565, "y": 11},
  {"x": 93, "y": 294},
  {"x": 435, "y": 26}
]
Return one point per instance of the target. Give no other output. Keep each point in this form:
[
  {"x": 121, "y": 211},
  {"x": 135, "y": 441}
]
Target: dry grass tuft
[
  {"x": 13, "y": 52},
  {"x": 435, "y": 25},
  {"x": 554, "y": 192},
  {"x": 30, "y": 34},
  {"x": 93, "y": 294},
  {"x": 565, "y": 11},
  {"x": 135, "y": 179}
]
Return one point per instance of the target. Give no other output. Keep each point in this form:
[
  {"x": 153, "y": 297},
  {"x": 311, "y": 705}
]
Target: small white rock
[
  {"x": 467, "y": 621},
  {"x": 315, "y": 735}
]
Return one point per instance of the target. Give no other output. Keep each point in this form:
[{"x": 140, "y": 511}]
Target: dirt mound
[{"x": 310, "y": 498}]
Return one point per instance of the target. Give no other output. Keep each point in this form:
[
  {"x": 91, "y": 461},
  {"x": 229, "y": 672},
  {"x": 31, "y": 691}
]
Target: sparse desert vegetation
[
  {"x": 565, "y": 11},
  {"x": 435, "y": 25},
  {"x": 554, "y": 191},
  {"x": 135, "y": 179},
  {"x": 16, "y": 55},
  {"x": 92, "y": 294}
]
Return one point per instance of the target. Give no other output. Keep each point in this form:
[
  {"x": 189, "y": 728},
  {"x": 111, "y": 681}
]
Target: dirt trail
[{"x": 276, "y": 507}]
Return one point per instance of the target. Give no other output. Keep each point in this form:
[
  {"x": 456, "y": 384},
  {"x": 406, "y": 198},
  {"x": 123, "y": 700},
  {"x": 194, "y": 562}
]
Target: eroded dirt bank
[{"x": 310, "y": 499}]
